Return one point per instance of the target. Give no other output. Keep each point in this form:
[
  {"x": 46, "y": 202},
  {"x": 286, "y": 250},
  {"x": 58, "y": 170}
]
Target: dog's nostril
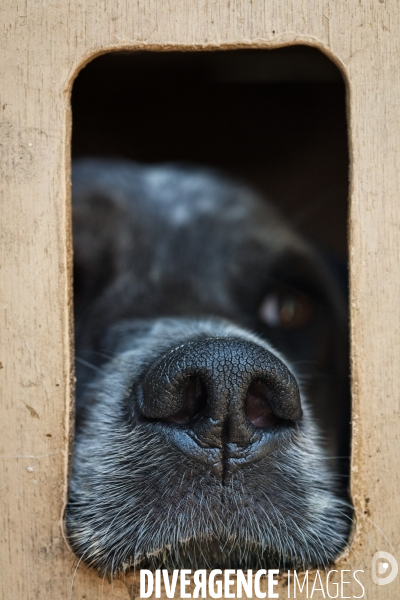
[
  {"x": 256, "y": 405},
  {"x": 193, "y": 394}
]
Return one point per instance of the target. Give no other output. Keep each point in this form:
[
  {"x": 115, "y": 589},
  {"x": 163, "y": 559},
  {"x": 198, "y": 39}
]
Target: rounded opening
[{"x": 275, "y": 121}]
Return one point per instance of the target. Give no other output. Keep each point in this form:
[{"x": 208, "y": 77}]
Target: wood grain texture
[{"x": 43, "y": 46}]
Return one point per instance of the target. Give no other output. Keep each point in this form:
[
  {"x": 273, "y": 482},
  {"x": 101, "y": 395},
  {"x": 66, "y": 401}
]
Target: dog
[{"x": 212, "y": 377}]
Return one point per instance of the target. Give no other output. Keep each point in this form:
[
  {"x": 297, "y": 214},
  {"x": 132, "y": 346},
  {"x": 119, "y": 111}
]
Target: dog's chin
[
  {"x": 257, "y": 520},
  {"x": 230, "y": 552},
  {"x": 262, "y": 546}
]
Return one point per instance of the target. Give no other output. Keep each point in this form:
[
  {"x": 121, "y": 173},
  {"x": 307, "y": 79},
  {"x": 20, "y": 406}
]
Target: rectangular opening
[{"x": 210, "y": 220}]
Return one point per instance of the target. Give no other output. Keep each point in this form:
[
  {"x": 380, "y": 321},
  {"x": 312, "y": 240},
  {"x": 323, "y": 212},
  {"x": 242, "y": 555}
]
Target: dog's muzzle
[{"x": 224, "y": 402}]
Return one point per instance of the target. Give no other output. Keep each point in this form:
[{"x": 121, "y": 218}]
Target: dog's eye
[{"x": 286, "y": 309}]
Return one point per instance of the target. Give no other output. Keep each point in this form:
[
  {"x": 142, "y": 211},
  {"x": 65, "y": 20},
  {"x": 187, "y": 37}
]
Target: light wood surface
[{"x": 43, "y": 47}]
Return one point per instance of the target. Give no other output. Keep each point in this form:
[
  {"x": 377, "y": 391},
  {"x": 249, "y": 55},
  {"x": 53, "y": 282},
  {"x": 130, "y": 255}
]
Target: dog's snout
[{"x": 221, "y": 394}]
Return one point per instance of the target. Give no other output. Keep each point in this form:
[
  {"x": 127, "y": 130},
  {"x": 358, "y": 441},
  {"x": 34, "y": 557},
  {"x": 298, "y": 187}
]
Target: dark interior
[{"x": 275, "y": 118}]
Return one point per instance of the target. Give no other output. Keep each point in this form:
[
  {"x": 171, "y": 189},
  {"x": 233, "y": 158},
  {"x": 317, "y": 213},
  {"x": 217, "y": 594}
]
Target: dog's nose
[{"x": 221, "y": 399}]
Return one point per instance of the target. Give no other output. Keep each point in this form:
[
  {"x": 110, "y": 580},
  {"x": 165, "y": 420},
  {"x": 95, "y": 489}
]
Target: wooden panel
[{"x": 43, "y": 46}]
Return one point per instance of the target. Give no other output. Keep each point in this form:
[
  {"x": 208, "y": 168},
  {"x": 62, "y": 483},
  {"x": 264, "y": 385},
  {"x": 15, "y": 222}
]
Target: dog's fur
[{"x": 167, "y": 257}]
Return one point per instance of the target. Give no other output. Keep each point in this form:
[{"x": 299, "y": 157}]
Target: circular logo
[{"x": 384, "y": 568}]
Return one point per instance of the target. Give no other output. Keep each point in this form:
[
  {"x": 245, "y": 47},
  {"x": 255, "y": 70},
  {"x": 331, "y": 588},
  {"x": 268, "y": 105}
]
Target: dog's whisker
[{"x": 87, "y": 364}]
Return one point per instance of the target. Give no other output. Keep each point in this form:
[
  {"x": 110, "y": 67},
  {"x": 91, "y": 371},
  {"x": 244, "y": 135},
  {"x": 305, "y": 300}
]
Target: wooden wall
[{"x": 43, "y": 47}]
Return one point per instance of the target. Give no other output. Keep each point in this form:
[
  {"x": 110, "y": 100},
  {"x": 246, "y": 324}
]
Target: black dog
[{"x": 212, "y": 354}]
